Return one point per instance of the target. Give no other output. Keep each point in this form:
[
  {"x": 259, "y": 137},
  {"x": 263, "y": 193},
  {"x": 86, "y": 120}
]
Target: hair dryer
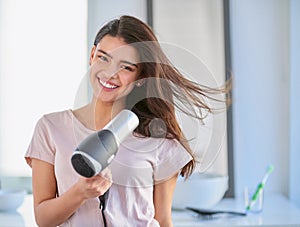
[{"x": 97, "y": 150}]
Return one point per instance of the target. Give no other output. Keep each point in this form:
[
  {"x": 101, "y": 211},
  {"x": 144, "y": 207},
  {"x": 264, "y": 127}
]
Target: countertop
[{"x": 278, "y": 211}]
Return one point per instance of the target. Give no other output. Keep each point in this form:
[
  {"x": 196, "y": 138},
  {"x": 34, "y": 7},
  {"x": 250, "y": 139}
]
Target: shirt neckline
[{"x": 78, "y": 122}]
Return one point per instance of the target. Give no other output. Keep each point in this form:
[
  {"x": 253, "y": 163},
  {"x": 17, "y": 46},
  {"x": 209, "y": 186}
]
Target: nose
[{"x": 112, "y": 71}]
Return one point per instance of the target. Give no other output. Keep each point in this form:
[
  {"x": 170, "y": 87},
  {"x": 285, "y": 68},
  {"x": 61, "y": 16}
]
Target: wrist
[{"x": 78, "y": 194}]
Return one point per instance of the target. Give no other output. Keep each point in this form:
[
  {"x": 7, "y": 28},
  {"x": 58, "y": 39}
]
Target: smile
[{"x": 107, "y": 85}]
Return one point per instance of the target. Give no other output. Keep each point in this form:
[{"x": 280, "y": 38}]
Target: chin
[{"x": 111, "y": 99}]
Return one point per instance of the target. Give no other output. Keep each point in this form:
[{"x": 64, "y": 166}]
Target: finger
[
  {"x": 103, "y": 188},
  {"x": 105, "y": 185},
  {"x": 106, "y": 173}
]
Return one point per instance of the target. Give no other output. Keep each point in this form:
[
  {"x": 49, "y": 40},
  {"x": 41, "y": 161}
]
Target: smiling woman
[
  {"x": 126, "y": 63},
  {"x": 34, "y": 74},
  {"x": 109, "y": 58}
]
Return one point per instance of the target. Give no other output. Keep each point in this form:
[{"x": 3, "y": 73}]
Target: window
[{"x": 43, "y": 59}]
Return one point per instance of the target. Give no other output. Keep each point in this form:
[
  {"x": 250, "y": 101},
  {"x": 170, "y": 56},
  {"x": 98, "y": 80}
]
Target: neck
[{"x": 101, "y": 113}]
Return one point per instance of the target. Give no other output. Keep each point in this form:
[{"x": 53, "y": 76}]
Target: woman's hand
[
  {"x": 51, "y": 210},
  {"x": 95, "y": 186}
]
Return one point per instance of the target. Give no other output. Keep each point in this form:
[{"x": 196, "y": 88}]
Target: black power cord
[{"x": 102, "y": 206}]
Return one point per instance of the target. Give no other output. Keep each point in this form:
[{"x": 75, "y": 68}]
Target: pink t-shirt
[{"x": 139, "y": 164}]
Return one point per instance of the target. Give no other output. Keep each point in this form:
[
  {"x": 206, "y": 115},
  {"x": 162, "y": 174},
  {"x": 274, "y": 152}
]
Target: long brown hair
[{"x": 164, "y": 89}]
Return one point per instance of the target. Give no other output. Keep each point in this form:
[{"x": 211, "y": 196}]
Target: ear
[
  {"x": 92, "y": 54},
  {"x": 140, "y": 82}
]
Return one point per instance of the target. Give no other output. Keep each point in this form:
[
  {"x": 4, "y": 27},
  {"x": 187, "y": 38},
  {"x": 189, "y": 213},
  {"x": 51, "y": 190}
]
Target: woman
[{"x": 127, "y": 70}]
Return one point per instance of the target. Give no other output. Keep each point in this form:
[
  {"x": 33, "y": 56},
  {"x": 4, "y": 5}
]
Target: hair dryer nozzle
[{"x": 83, "y": 164}]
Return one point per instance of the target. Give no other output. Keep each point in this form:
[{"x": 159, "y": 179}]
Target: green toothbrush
[{"x": 260, "y": 187}]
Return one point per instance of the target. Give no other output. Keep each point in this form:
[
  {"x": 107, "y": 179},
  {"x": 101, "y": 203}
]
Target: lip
[{"x": 108, "y": 85}]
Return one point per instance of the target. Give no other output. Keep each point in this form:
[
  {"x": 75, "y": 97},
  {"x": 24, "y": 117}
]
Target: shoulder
[
  {"x": 171, "y": 148},
  {"x": 55, "y": 119},
  {"x": 57, "y": 116},
  {"x": 150, "y": 144}
]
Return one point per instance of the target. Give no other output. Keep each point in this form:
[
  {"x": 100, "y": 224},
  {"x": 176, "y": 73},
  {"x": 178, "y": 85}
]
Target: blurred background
[{"x": 44, "y": 49}]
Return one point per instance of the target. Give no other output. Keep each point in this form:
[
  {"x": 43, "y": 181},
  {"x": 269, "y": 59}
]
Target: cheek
[
  {"x": 129, "y": 79},
  {"x": 95, "y": 69},
  {"x": 128, "y": 89},
  {"x": 128, "y": 83}
]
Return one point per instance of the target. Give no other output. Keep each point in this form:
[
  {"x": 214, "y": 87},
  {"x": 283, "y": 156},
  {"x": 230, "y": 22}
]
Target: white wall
[
  {"x": 43, "y": 58},
  {"x": 261, "y": 95}
]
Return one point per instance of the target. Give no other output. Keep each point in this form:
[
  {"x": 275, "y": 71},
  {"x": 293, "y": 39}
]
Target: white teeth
[{"x": 107, "y": 85}]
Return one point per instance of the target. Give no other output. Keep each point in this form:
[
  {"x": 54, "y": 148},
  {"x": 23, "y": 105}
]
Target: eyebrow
[
  {"x": 103, "y": 52},
  {"x": 124, "y": 61},
  {"x": 130, "y": 63}
]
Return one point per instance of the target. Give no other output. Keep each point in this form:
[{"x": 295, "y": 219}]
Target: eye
[
  {"x": 103, "y": 58},
  {"x": 128, "y": 68}
]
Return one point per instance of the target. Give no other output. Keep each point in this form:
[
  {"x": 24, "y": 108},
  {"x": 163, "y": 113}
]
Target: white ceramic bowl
[
  {"x": 203, "y": 191},
  {"x": 10, "y": 200}
]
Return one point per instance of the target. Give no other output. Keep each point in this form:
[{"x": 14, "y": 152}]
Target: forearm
[
  {"x": 52, "y": 211},
  {"x": 165, "y": 220},
  {"x": 55, "y": 211},
  {"x": 163, "y": 195}
]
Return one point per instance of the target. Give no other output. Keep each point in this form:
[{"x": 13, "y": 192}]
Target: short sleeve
[
  {"x": 171, "y": 158},
  {"x": 41, "y": 146}
]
